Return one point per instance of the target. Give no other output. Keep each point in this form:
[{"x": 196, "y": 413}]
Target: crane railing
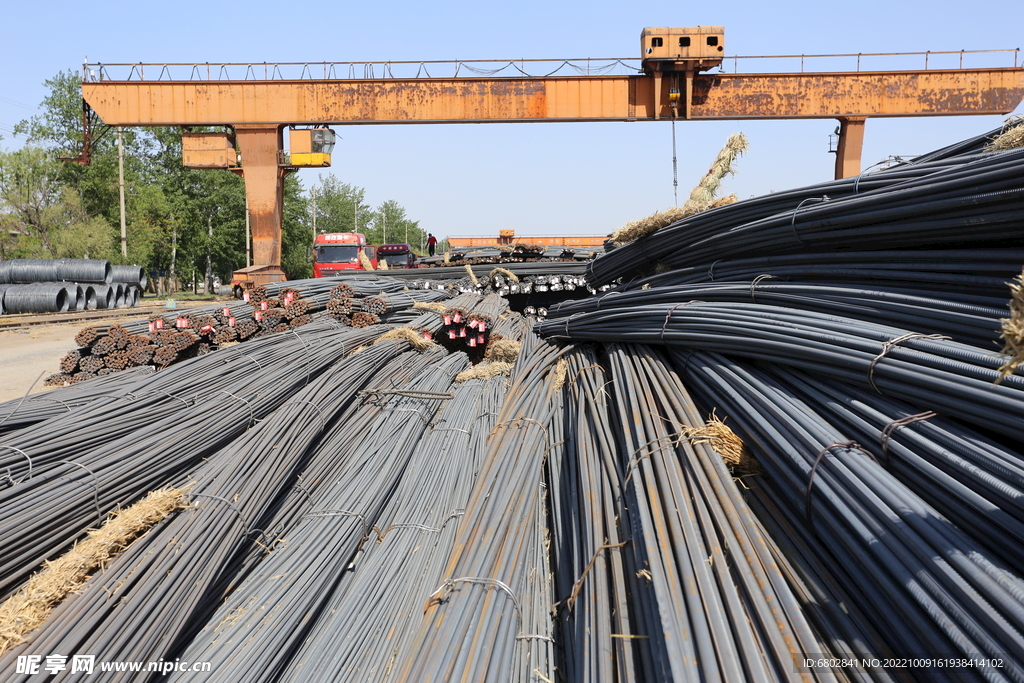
[{"x": 536, "y": 68}]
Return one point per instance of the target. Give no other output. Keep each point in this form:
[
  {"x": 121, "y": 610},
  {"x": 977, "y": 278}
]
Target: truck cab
[
  {"x": 397, "y": 255},
  {"x": 336, "y": 252}
]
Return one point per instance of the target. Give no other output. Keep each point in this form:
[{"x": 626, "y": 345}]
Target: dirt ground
[{"x": 25, "y": 353}]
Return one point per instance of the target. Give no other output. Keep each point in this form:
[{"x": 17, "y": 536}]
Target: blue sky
[{"x": 538, "y": 178}]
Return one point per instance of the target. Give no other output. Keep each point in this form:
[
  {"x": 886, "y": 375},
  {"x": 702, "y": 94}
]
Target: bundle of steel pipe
[
  {"x": 322, "y": 546},
  {"x": 147, "y": 598},
  {"x": 899, "y": 561},
  {"x": 497, "y": 580},
  {"x": 64, "y": 477}
]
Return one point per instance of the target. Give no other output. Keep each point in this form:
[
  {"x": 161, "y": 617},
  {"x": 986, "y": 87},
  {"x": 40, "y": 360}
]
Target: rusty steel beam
[
  {"x": 258, "y": 109},
  {"x": 580, "y": 98}
]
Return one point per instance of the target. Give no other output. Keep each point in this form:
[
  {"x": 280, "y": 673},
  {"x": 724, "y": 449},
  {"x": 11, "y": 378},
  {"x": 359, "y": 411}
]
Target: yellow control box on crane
[
  {"x": 310, "y": 146},
  {"x": 208, "y": 150}
]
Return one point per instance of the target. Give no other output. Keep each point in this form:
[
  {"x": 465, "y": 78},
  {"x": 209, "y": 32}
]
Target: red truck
[
  {"x": 334, "y": 252},
  {"x": 397, "y": 255}
]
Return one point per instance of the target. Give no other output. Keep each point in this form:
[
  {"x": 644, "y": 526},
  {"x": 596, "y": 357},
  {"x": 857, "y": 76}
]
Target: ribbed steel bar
[
  {"x": 147, "y": 597},
  {"x": 898, "y": 557},
  {"x": 482, "y": 622},
  {"x": 274, "y": 615}
]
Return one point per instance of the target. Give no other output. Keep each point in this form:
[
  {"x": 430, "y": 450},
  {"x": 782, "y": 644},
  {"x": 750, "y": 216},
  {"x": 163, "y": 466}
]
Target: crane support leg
[
  {"x": 851, "y": 144},
  {"x": 264, "y": 188}
]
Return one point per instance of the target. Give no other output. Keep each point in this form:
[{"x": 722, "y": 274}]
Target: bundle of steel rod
[
  {"x": 899, "y": 562},
  {"x": 455, "y": 317},
  {"x": 969, "y": 319},
  {"x": 707, "y": 618},
  {"x": 496, "y": 592},
  {"x": 64, "y": 476},
  {"x": 145, "y": 599},
  {"x": 170, "y": 338},
  {"x": 368, "y": 625},
  {"x": 933, "y": 373},
  {"x": 481, "y": 319},
  {"x": 30, "y": 409},
  {"x": 980, "y": 272},
  {"x": 594, "y": 578},
  {"x": 253, "y": 646},
  {"x": 910, "y": 205},
  {"x": 973, "y": 481}
]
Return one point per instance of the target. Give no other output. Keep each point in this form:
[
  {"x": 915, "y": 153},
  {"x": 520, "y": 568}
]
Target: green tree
[
  {"x": 341, "y": 207},
  {"x": 391, "y": 225},
  {"x": 296, "y": 230}
]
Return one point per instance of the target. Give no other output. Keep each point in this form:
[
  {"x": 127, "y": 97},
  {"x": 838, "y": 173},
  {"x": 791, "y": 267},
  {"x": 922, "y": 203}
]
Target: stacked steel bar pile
[
  {"x": 152, "y": 595},
  {"x": 927, "y": 203},
  {"x": 172, "y": 337},
  {"x": 841, "y": 372},
  {"x": 64, "y": 473},
  {"x": 58, "y": 285},
  {"x": 274, "y": 615},
  {"x": 497, "y": 579},
  {"x": 369, "y": 624},
  {"x": 895, "y": 558}
]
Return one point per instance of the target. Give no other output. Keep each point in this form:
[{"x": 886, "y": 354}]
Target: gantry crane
[{"x": 673, "y": 82}]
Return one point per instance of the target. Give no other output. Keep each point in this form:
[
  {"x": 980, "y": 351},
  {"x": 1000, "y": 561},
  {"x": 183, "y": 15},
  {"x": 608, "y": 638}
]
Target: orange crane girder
[
  {"x": 578, "y": 98},
  {"x": 258, "y": 109}
]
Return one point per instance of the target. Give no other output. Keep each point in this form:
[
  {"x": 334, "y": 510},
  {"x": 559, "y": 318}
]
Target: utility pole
[
  {"x": 312, "y": 191},
  {"x": 120, "y": 190},
  {"x": 248, "y": 240},
  {"x": 209, "y": 254}
]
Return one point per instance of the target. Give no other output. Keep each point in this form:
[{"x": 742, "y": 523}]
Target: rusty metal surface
[{"x": 583, "y": 98}]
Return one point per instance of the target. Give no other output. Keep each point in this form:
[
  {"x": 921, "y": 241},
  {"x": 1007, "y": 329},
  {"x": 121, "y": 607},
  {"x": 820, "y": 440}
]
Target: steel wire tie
[
  {"x": 8, "y": 475},
  {"x": 754, "y": 283},
  {"x": 95, "y": 488},
  {"x": 310, "y": 403},
  {"x": 241, "y": 517},
  {"x": 634, "y": 462},
  {"x": 792, "y": 223},
  {"x": 889, "y": 345},
  {"x": 711, "y": 270},
  {"x": 252, "y": 415},
  {"x": 339, "y": 513},
  {"x": 849, "y": 445},
  {"x": 449, "y": 584},
  {"x": 891, "y": 428},
  {"x": 132, "y": 395}
]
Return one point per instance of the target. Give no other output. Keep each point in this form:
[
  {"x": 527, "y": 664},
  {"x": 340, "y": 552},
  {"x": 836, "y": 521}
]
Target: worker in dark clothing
[{"x": 431, "y": 243}]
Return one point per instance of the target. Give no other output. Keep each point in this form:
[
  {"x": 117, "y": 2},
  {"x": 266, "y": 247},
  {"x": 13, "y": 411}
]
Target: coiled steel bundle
[
  {"x": 129, "y": 275},
  {"x": 24, "y": 271},
  {"x": 39, "y": 297}
]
